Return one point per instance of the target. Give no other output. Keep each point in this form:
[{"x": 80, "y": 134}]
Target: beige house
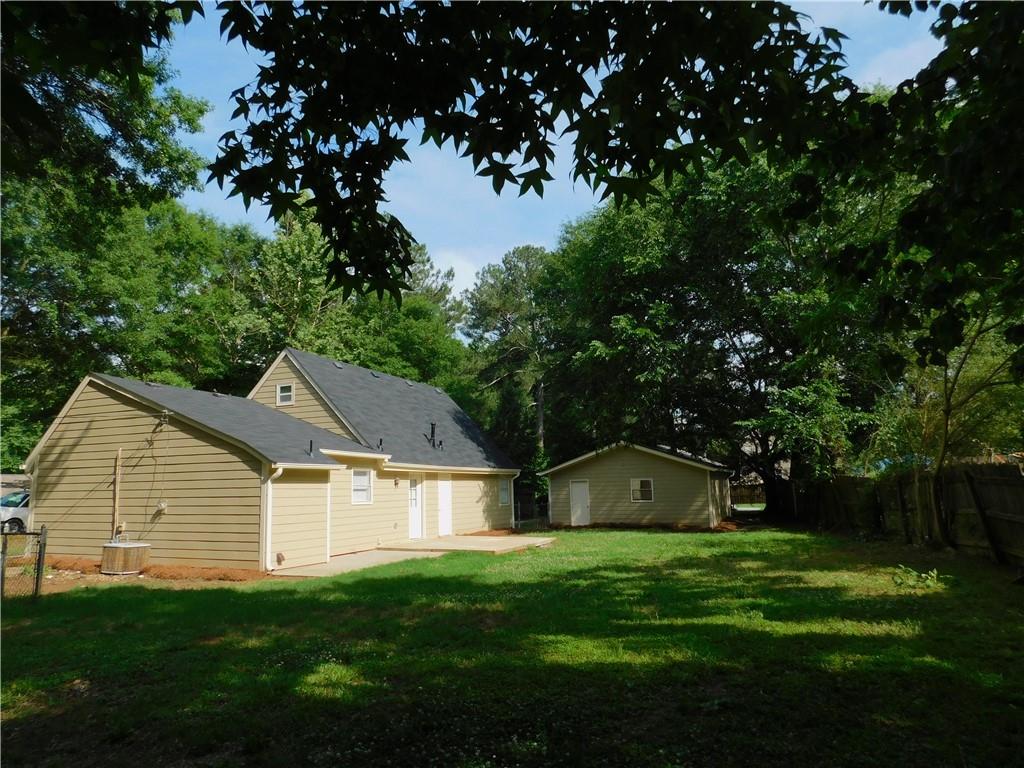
[
  {"x": 626, "y": 484},
  {"x": 322, "y": 459}
]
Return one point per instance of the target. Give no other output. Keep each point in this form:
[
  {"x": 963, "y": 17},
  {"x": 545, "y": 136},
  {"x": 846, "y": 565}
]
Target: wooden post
[
  {"x": 3, "y": 565},
  {"x": 997, "y": 556},
  {"x": 117, "y": 495},
  {"x": 40, "y": 561},
  {"x": 904, "y": 514}
]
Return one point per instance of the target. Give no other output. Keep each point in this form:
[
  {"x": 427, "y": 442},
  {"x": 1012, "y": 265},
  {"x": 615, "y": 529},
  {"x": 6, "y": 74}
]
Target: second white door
[
  {"x": 444, "y": 505},
  {"x": 415, "y": 508},
  {"x": 579, "y": 502}
]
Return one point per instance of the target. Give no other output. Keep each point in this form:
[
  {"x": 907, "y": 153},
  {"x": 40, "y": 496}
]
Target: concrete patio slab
[
  {"x": 354, "y": 562},
  {"x": 496, "y": 545}
]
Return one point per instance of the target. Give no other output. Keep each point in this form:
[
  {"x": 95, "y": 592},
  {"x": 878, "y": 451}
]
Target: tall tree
[
  {"x": 967, "y": 407},
  {"x": 648, "y": 91},
  {"x": 693, "y": 320},
  {"x": 88, "y": 95},
  {"x": 505, "y": 328},
  {"x": 501, "y": 82},
  {"x": 132, "y": 297},
  {"x": 293, "y": 304}
]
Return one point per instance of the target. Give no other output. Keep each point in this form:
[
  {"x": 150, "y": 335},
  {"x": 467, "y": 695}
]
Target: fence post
[
  {"x": 3, "y": 565},
  {"x": 40, "y": 561},
  {"x": 904, "y": 514},
  {"x": 997, "y": 555}
]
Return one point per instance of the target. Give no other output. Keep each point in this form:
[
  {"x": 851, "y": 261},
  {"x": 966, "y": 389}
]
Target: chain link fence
[{"x": 22, "y": 558}]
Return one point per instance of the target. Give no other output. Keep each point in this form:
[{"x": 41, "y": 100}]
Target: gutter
[
  {"x": 334, "y": 453},
  {"x": 456, "y": 470}
]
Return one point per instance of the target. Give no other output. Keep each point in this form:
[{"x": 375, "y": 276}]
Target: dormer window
[{"x": 285, "y": 394}]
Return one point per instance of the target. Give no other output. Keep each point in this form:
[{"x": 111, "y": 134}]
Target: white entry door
[
  {"x": 444, "y": 505},
  {"x": 579, "y": 502},
  {"x": 415, "y": 508}
]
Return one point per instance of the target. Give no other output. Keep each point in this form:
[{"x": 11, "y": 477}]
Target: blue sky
[{"x": 455, "y": 213}]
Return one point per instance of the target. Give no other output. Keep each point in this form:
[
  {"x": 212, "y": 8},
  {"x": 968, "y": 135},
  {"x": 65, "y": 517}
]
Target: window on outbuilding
[
  {"x": 285, "y": 394},
  {"x": 641, "y": 489},
  {"x": 362, "y": 486},
  {"x": 504, "y": 491}
]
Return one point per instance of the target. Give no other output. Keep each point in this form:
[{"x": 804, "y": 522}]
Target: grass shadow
[{"x": 610, "y": 648}]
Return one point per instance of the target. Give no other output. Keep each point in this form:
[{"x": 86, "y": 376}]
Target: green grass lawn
[{"x": 609, "y": 648}]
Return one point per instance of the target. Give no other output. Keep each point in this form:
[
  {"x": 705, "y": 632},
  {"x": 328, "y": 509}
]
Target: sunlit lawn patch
[{"x": 609, "y": 648}]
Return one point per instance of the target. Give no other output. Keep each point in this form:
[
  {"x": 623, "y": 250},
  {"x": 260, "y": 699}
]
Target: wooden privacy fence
[
  {"x": 747, "y": 493},
  {"x": 983, "y": 504}
]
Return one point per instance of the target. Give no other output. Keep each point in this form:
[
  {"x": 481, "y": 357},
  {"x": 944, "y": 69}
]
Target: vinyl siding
[
  {"x": 299, "y": 518},
  {"x": 356, "y": 527},
  {"x": 680, "y": 491},
  {"x": 212, "y": 487},
  {"x": 307, "y": 404},
  {"x": 475, "y": 504}
]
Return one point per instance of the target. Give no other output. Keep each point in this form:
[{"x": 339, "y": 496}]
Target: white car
[{"x": 15, "y": 511}]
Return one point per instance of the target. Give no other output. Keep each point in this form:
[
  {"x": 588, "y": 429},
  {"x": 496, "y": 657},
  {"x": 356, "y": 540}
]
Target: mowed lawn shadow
[{"x": 610, "y": 648}]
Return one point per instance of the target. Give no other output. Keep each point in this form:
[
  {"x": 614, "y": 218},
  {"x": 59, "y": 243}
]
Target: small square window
[
  {"x": 641, "y": 489},
  {"x": 504, "y": 491},
  {"x": 285, "y": 394},
  {"x": 362, "y": 486}
]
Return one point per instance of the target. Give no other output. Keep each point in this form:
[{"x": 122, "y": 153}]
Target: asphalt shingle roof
[
  {"x": 680, "y": 453},
  {"x": 399, "y": 412},
  {"x": 278, "y": 437}
]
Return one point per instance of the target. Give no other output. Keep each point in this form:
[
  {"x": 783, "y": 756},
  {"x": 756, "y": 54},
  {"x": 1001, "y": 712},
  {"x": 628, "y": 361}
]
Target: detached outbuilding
[{"x": 627, "y": 484}]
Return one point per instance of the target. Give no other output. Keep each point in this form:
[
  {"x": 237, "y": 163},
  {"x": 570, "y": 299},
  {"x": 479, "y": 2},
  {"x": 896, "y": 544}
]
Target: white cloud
[
  {"x": 894, "y": 65},
  {"x": 466, "y": 264},
  {"x": 840, "y": 15}
]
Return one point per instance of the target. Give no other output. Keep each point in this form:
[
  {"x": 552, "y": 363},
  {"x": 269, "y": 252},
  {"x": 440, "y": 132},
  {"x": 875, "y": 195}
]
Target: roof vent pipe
[
  {"x": 380, "y": 444},
  {"x": 310, "y": 447},
  {"x": 433, "y": 432}
]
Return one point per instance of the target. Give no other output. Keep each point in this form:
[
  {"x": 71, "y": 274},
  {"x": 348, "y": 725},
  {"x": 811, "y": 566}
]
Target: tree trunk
[
  {"x": 540, "y": 417},
  {"x": 775, "y": 502},
  {"x": 939, "y": 517}
]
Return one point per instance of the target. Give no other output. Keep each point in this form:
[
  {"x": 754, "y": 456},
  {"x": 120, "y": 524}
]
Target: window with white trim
[
  {"x": 285, "y": 394},
  {"x": 362, "y": 486},
  {"x": 641, "y": 489},
  {"x": 504, "y": 491}
]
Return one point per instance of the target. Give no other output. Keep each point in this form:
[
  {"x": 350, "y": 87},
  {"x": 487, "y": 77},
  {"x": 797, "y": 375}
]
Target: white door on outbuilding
[
  {"x": 415, "y": 508},
  {"x": 444, "y": 505},
  {"x": 579, "y": 502}
]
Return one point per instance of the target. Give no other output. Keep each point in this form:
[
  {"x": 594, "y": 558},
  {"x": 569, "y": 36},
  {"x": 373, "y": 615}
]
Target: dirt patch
[
  {"x": 159, "y": 571},
  {"x": 172, "y": 572},
  {"x": 726, "y": 526},
  {"x": 65, "y": 573},
  {"x": 668, "y": 527}
]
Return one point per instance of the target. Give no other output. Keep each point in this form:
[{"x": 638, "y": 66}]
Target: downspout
[
  {"x": 31, "y": 496},
  {"x": 268, "y": 560}
]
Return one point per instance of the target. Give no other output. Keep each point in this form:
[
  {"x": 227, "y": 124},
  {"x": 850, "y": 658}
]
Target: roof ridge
[{"x": 372, "y": 371}]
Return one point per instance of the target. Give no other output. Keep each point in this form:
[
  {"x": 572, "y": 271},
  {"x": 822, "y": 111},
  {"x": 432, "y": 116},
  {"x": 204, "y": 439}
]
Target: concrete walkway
[
  {"x": 496, "y": 545},
  {"x": 354, "y": 562}
]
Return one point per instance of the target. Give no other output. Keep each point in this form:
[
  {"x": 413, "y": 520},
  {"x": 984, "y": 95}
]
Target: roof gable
[
  {"x": 397, "y": 413},
  {"x": 660, "y": 451}
]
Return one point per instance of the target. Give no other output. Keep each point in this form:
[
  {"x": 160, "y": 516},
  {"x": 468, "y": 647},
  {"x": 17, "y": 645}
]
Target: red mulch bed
[{"x": 160, "y": 571}]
